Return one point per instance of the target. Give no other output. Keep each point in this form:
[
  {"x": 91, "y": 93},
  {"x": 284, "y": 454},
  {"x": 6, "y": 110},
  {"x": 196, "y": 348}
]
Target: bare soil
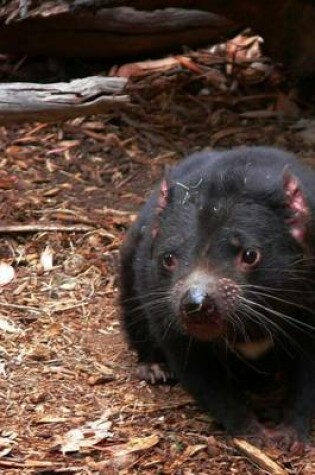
[{"x": 64, "y": 365}]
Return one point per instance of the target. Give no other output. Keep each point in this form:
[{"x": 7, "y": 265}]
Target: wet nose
[{"x": 197, "y": 302}]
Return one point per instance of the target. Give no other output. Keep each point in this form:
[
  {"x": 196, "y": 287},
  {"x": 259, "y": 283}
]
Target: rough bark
[
  {"x": 288, "y": 26},
  {"x": 127, "y": 28},
  {"x": 113, "y": 33},
  {"x": 51, "y": 102}
]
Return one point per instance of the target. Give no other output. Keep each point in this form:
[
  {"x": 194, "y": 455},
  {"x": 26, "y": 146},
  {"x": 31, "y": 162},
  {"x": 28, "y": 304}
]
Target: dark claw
[
  {"x": 154, "y": 373},
  {"x": 283, "y": 437}
]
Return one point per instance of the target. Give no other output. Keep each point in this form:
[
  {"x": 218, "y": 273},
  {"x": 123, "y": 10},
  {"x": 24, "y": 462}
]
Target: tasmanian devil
[{"x": 217, "y": 288}]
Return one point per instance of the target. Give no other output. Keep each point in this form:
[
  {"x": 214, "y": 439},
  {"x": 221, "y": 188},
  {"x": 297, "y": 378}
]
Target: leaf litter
[{"x": 69, "y": 400}]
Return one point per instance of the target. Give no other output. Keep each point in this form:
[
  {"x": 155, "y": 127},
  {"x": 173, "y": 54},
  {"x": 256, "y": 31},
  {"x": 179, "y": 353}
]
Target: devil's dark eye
[
  {"x": 169, "y": 261},
  {"x": 250, "y": 257}
]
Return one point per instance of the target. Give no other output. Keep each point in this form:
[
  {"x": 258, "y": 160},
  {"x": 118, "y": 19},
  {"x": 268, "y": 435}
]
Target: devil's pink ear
[
  {"x": 296, "y": 203},
  {"x": 162, "y": 201},
  {"x": 163, "y": 193}
]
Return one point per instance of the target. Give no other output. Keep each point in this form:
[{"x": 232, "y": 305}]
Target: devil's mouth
[{"x": 203, "y": 326}]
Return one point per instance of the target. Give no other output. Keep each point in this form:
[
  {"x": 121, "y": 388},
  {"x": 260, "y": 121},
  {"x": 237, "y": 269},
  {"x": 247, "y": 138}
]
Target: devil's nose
[{"x": 197, "y": 301}]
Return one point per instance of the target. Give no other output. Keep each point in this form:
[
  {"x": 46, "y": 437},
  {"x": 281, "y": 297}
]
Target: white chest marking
[{"x": 254, "y": 349}]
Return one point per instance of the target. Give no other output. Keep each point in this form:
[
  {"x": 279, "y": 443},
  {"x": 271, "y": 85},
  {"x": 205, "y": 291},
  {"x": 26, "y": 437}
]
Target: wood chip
[{"x": 258, "y": 457}]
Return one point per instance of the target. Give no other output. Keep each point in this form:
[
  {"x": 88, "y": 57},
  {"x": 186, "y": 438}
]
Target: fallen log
[
  {"x": 59, "y": 101},
  {"x": 127, "y": 28},
  {"x": 287, "y": 26},
  {"x": 111, "y": 33}
]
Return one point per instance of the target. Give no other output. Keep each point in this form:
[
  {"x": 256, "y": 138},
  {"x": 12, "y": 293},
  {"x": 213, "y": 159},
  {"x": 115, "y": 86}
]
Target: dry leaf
[
  {"x": 144, "y": 67},
  {"x": 41, "y": 352},
  {"x": 7, "y": 182},
  {"x": 95, "y": 379},
  {"x": 46, "y": 259},
  {"x": 8, "y": 326},
  {"x": 7, "y": 273},
  {"x": 85, "y": 437},
  {"x": 55, "y": 329},
  {"x": 6, "y": 444},
  {"x": 135, "y": 444},
  {"x": 190, "y": 451},
  {"x": 243, "y": 47},
  {"x": 50, "y": 419},
  {"x": 68, "y": 284}
]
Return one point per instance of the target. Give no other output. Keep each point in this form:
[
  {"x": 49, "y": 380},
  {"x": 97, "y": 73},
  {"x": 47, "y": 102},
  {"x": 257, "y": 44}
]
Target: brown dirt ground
[{"x": 63, "y": 361}]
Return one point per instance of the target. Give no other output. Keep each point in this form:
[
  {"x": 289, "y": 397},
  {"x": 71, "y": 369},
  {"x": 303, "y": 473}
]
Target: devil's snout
[
  {"x": 205, "y": 302},
  {"x": 196, "y": 303}
]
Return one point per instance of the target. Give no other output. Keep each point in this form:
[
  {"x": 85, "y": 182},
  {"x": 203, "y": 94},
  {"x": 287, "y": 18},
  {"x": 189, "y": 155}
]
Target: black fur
[{"x": 218, "y": 204}]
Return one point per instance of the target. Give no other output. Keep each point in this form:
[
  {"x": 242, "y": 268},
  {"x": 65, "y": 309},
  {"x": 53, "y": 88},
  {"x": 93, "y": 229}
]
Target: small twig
[
  {"x": 259, "y": 114},
  {"x": 154, "y": 408},
  {"x": 20, "y": 307},
  {"x": 118, "y": 212},
  {"x": 259, "y": 457},
  {"x": 62, "y": 470},
  {"x": 27, "y": 463},
  {"x": 37, "y": 227},
  {"x": 70, "y": 307},
  {"x": 40, "y": 465}
]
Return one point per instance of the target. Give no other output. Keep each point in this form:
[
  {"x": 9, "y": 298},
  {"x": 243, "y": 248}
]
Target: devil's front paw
[
  {"x": 286, "y": 437},
  {"x": 155, "y": 373}
]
